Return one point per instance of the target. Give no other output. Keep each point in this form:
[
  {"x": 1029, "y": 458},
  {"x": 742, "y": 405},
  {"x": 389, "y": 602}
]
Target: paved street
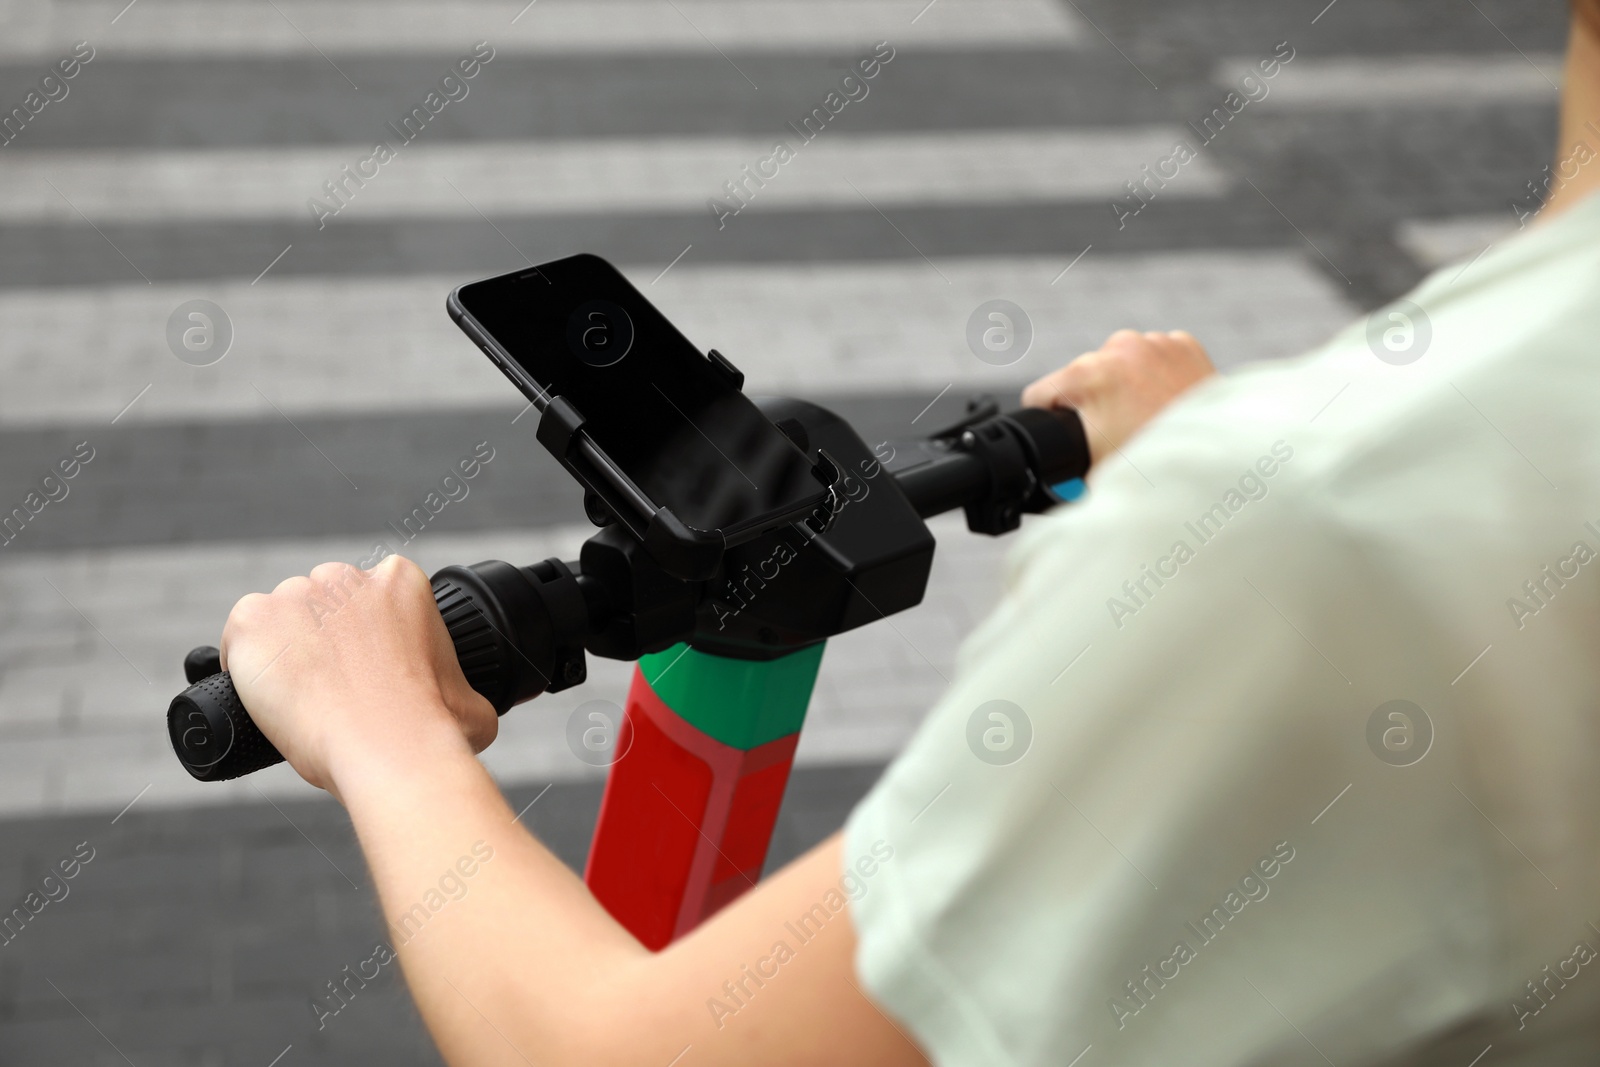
[{"x": 991, "y": 158}]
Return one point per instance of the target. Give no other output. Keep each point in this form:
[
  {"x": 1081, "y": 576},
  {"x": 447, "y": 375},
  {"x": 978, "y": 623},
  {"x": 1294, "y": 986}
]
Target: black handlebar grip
[
  {"x": 517, "y": 632},
  {"x": 213, "y": 735},
  {"x": 1060, "y": 445}
]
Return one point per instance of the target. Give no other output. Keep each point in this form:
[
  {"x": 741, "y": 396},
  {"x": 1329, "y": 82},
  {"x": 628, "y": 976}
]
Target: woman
[{"x": 1271, "y": 808}]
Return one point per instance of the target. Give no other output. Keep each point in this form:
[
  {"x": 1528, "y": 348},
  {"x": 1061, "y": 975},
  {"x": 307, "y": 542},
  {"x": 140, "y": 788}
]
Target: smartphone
[{"x": 664, "y": 428}]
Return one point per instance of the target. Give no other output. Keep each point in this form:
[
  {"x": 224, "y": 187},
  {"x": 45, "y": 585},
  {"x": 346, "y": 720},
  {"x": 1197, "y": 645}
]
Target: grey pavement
[
  {"x": 875, "y": 327},
  {"x": 145, "y": 104},
  {"x": 174, "y": 483},
  {"x": 1395, "y": 141}
]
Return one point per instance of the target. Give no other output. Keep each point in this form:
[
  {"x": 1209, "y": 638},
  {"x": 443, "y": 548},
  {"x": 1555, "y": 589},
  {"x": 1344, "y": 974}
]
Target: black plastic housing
[
  {"x": 797, "y": 586},
  {"x": 517, "y": 631}
]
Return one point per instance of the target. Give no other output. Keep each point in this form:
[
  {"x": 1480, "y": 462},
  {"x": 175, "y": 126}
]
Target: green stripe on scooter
[{"x": 742, "y": 703}]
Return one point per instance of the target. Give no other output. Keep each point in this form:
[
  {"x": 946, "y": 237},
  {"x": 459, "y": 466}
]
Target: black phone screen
[{"x": 658, "y": 408}]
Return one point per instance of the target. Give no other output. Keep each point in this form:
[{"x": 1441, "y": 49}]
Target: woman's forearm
[{"x": 505, "y": 951}]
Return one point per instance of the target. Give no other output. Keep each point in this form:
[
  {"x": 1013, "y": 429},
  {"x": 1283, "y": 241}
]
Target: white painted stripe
[
  {"x": 316, "y": 344},
  {"x": 551, "y": 27},
  {"x": 835, "y": 169},
  {"x": 81, "y": 729},
  {"x": 1390, "y": 82},
  {"x": 1435, "y": 242}
]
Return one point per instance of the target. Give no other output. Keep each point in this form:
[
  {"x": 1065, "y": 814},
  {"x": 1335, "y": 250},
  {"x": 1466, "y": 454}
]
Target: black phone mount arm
[{"x": 683, "y": 551}]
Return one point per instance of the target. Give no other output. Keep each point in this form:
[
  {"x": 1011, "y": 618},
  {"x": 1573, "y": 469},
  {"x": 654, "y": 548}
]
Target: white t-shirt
[{"x": 1197, "y": 829}]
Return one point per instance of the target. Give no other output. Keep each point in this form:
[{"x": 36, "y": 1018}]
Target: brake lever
[{"x": 980, "y": 406}]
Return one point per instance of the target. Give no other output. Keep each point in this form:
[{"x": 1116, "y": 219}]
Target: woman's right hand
[{"x": 1121, "y": 385}]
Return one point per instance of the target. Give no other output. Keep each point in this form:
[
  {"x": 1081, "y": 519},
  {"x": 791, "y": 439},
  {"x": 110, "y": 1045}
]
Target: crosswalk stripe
[
  {"x": 548, "y": 27},
  {"x": 333, "y": 184},
  {"x": 1454, "y": 81},
  {"x": 323, "y": 344},
  {"x": 1435, "y": 242}
]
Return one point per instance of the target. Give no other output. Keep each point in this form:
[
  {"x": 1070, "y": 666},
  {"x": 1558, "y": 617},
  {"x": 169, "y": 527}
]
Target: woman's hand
[
  {"x": 349, "y": 665},
  {"x": 1120, "y": 386}
]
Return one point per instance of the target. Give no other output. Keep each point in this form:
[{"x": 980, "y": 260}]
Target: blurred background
[{"x": 204, "y": 152}]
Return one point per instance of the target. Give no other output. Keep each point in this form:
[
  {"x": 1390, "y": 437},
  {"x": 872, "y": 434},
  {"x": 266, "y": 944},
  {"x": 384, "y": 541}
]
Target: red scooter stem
[{"x": 689, "y": 807}]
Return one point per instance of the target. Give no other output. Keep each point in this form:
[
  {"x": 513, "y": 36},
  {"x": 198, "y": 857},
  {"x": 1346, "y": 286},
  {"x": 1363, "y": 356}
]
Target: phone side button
[{"x": 726, "y": 368}]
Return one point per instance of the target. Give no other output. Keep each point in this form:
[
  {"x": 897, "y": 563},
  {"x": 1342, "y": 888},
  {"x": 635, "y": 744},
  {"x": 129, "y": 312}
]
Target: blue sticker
[{"x": 1069, "y": 490}]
